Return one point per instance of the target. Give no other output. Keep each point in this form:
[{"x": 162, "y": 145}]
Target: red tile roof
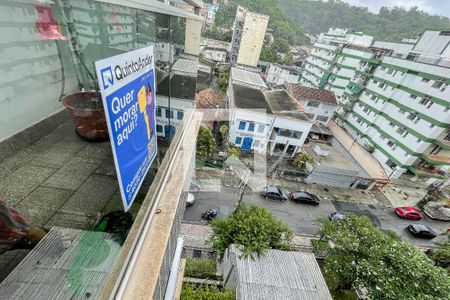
[
  {"x": 208, "y": 98},
  {"x": 312, "y": 94}
]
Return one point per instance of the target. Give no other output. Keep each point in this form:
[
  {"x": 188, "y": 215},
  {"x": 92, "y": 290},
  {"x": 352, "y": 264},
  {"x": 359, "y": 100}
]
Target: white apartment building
[
  {"x": 398, "y": 105},
  {"x": 170, "y": 110},
  {"x": 334, "y": 59},
  {"x": 264, "y": 120},
  {"x": 279, "y": 74},
  {"x": 319, "y": 105},
  {"x": 215, "y": 50},
  {"x": 249, "y": 30}
]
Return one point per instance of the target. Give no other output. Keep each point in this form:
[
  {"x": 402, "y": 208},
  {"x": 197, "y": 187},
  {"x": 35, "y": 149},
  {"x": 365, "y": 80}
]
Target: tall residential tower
[{"x": 249, "y": 30}]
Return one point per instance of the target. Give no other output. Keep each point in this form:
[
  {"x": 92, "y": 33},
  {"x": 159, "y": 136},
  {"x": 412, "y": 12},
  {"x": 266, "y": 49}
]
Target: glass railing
[{"x": 62, "y": 185}]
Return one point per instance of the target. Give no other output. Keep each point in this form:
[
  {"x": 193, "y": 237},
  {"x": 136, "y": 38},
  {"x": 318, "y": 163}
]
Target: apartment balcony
[
  {"x": 426, "y": 173},
  {"x": 437, "y": 159},
  {"x": 445, "y": 144},
  {"x": 65, "y": 184},
  {"x": 354, "y": 88}
]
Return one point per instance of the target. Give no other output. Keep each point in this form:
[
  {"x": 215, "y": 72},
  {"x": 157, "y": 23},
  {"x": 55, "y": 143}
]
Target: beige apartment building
[{"x": 249, "y": 30}]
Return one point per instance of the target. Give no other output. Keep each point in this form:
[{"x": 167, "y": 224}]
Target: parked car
[
  {"x": 421, "y": 231},
  {"x": 274, "y": 193},
  {"x": 408, "y": 212},
  {"x": 304, "y": 197},
  {"x": 336, "y": 216}
]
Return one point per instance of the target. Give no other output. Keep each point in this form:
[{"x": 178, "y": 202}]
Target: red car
[{"x": 409, "y": 213}]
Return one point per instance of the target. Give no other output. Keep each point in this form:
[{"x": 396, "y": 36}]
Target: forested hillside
[
  {"x": 389, "y": 25},
  {"x": 282, "y": 27}
]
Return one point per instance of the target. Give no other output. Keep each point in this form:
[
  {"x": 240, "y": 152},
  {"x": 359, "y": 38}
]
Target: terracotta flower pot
[{"x": 86, "y": 111}]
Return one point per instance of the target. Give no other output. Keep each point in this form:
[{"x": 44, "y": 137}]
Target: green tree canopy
[
  {"x": 360, "y": 255},
  {"x": 282, "y": 27},
  {"x": 205, "y": 142},
  {"x": 280, "y": 45},
  {"x": 253, "y": 229},
  {"x": 390, "y": 24},
  {"x": 223, "y": 80},
  {"x": 301, "y": 161}
]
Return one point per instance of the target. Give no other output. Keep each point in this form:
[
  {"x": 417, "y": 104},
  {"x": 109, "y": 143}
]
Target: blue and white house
[{"x": 263, "y": 120}]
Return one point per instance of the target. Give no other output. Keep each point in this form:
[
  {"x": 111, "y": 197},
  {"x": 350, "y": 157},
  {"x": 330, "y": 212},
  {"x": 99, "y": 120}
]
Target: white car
[{"x": 190, "y": 199}]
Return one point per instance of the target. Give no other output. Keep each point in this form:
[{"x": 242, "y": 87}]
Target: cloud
[{"x": 434, "y": 7}]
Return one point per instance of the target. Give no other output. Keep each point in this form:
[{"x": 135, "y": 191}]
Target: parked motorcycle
[{"x": 209, "y": 214}]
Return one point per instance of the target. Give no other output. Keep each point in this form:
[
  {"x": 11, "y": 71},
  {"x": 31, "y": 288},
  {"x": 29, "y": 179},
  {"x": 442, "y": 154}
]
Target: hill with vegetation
[
  {"x": 390, "y": 24},
  {"x": 282, "y": 27}
]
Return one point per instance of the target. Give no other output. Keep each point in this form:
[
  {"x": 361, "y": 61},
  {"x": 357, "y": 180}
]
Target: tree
[
  {"x": 205, "y": 142},
  {"x": 288, "y": 59},
  {"x": 302, "y": 160},
  {"x": 282, "y": 27},
  {"x": 224, "y": 134},
  {"x": 390, "y": 24},
  {"x": 253, "y": 229},
  {"x": 360, "y": 255},
  {"x": 223, "y": 80},
  {"x": 236, "y": 152},
  {"x": 441, "y": 256},
  {"x": 280, "y": 45}
]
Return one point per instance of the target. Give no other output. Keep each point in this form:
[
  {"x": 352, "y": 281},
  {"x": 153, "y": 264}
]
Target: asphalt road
[{"x": 301, "y": 217}]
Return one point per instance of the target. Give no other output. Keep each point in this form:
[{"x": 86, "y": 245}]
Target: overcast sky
[{"x": 434, "y": 7}]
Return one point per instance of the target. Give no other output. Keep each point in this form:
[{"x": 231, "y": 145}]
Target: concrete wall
[{"x": 192, "y": 37}]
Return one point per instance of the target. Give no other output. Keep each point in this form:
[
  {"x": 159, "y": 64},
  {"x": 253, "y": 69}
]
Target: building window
[
  {"x": 169, "y": 114},
  {"x": 159, "y": 128},
  {"x": 391, "y": 124},
  {"x": 313, "y": 104},
  {"x": 412, "y": 116},
  {"x": 158, "y": 112},
  {"x": 310, "y": 116},
  {"x": 256, "y": 143},
  {"x": 401, "y": 130},
  {"x": 251, "y": 126},
  {"x": 390, "y": 71},
  {"x": 390, "y": 143},
  {"x": 391, "y": 164},
  {"x": 426, "y": 101},
  {"x": 425, "y": 80},
  {"x": 261, "y": 128},
  {"x": 238, "y": 141},
  {"x": 322, "y": 118},
  {"x": 180, "y": 115},
  {"x": 446, "y": 109},
  {"x": 197, "y": 254},
  {"x": 412, "y": 96},
  {"x": 438, "y": 83},
  {"x": 401, "y": 111},
  {"x": 242, "y": 125}
]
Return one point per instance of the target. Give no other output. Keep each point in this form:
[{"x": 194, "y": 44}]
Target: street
[{"x": 301, "y": 217}]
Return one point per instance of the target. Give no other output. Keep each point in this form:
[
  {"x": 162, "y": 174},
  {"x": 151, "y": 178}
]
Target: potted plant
[
  {"x": 86, "y": 111},
  {"x": 85, "y": 108}
]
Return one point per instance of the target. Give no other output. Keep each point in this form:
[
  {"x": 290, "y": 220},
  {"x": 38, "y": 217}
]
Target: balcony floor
[{"x": 62, "y": 181}]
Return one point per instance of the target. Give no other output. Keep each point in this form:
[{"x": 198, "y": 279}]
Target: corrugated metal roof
[
  {"x": 66, "y": 264},
  {"x": 280, "y": 275},
  {"x": 247, "y": 77}
]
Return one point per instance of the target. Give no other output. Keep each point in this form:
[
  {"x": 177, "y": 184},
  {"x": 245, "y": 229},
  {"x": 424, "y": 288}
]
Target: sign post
[{"x": 127, "y": 85}]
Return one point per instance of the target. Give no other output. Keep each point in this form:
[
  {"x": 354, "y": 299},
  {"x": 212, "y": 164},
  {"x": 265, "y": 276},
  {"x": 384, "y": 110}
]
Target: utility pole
[{"x": 241, "y": 188}]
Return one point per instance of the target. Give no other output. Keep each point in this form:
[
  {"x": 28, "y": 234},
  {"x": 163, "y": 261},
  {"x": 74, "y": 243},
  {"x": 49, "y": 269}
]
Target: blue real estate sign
[{"x": 127, "y": 84}]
